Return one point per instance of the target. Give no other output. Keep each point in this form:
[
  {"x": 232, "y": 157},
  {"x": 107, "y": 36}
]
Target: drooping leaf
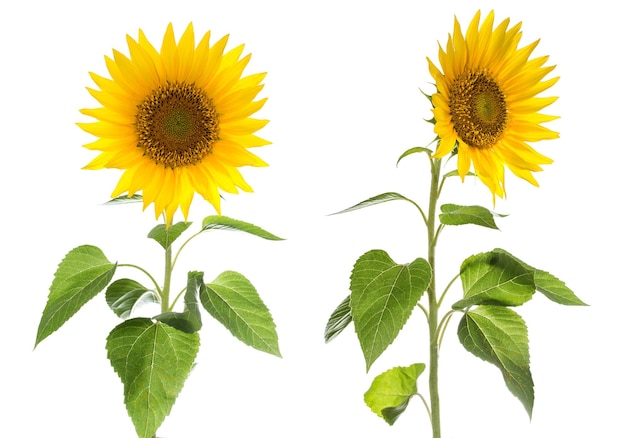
[
  {"x": 232, "y": 300},
  {"x": 226, "y": 223},
  {"x": 499, "y": 336},
  {"x": 378, "y": 199},
  {"x": 81, "y": 275},
  {"x": 383, "y": 296},
  {"x": 391, "y": 391},
  {"x": 495, "y": 278},
  {"x": 339, "y": 320},
  {"x": 153, "y": 361},
  {"x": 550, "y": 286},
  {"x": 467, "y": 214},
  {"x": 455, "y": 172},
  {"x": 189, "y": 320},
  {"x": 124, "y": 199},
  {"x": 414, "y": 150},
  {"x": 166, "y": 236},
  {"x": 124, "y": 296}
]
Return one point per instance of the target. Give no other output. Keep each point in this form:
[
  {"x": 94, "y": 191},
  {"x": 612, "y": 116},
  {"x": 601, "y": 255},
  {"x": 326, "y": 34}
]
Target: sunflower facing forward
[
  {"x": 486, "y": 102},
  {"x": 177, "y": 121}
]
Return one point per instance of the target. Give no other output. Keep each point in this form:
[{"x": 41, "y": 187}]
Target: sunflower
[
  {"x": 486, "y": 105},
  {"x": 177, "y": 121}
]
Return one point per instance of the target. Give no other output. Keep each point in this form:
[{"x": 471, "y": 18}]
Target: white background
[{"x": 344, "y": 103}]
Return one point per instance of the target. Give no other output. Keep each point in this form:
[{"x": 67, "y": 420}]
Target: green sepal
[
  {"x": 125, "y": 199},
  {"x": 467, "y": 214},
  {"x": 153, "y": 361},
  {"x": 166, "y": 236},
  {"x": 499, "y": 336},
  {"x": 383, "y": 296},
  {"x": 378, "y": 199},
  {"x": 81, "y": 275},
  {"x": 124, "y": 296},
  {"x": 226, "y": 223},
  {"x": 233, "y": 301},
  {"x": 189, "y": 320},
  {"x": 414, "y": 150},
  {"x": 339, "y": 320},
  {"x": 391, "y": 391},
  {"x": 495, "y": 278}
]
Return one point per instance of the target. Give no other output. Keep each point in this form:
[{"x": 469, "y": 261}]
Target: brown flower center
[
  {"x": 478, "y": 109},
  {"x": 177, "y": 125}
]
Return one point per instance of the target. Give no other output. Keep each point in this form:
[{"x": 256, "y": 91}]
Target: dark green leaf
[
  {"x": 232, "y": 300},
  {"x": 189, "y": 320},
  {"x": 124, "y": 199},
  {"x": 550, "y": 286},
  {"x": 153, "y": 361},
  {"x": 166, "y": 236},
  {"x": 81, "y": 275},
  {"x": 467, "y": 214},
  {"x": 226, "y": 223},
  {"x": 338, "y": 321},
  {"x": 124, "y": 296},
  {"x": 391, "y": 391},
  {"x": 499, "y": 336},
  {"x": 412, "y": 151},
  {"x": 495, "y": 278},
  {"x": 383, "y": 296},
  {"x": 378, "y": 199}
]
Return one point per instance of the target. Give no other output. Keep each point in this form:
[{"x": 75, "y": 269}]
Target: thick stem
[
  {"x": 165, "y": 292},
  {"x": 433, "y": 305}
]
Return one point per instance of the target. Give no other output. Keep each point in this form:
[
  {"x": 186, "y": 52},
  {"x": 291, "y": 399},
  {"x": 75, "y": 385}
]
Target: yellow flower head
[
  {"x": 177, "y": 121},
  {"x": 486, "y": 102}
]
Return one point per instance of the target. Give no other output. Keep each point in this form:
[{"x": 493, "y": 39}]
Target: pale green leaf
[
  {"x": 189, "y": 320},
  {"x": 467, "y": 214},
  {"x": 125, "y": 199},
  {"x": 391, "y": 391},
  {"x": 414, "y": 150},
  {"x": 232, "y": 300},
  {"x": 495, "y": 278},
  {"x": 378, "y": 199},
  {"x": 383, "y": 296},
  {"x": 499, "y": 336},
  {"x": 339, "y": 320},
  {"x": 125, "y": 296},
  {"x": 166, "y": 236},
  {"x": 153, "y": 361},
  {"x": 226, "y": 223},
  {"x": 81, "y": 275}
]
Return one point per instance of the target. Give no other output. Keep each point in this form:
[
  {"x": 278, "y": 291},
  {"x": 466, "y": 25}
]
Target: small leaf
[
  {"x": 339, "y": 320},
  {"x": 378, "y": 199},
  {"x": 550, "y": 286},
  {"x": 124, "y": 199},
  {"x": 124, "y": 296},
  {"x": 189, "y": 320},
  {"x": 499, "y": 336},
  {"x": 383, "y": 296},
  {"x": 391, "y": 391},
  {"x": 81, "y": 275},
  {"x": 232, "y": 300},
  {"x": 153, "y": 361},
  {"x": 166, "y": 236},
  {"x": 226, "y": 223},
  {"x": 495, "y": 278},
  {"x": 412, "y": 151},
  {"x": 467, "y": 214},
  {"x": 455, "y": 172}
]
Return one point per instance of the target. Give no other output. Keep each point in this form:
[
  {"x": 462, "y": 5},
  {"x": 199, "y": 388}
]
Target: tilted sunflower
[
  {"x": 486, "y": 103},
  {"x": 177, "y": 121}
]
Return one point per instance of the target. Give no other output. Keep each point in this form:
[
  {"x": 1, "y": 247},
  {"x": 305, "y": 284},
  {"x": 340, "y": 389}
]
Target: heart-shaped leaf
[{"x": 166, "y": 236}]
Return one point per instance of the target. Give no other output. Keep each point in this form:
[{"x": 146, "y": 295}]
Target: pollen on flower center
[
  {"x": 478, "y": 109},
  {"x": 177, "y": 125}
]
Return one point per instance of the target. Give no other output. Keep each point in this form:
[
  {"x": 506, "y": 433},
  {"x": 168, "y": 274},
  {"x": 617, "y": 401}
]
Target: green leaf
[
  {"x": 499, "y": 336},
  {"x": 232, "y": 300},
  {"x": 124, "y": 296},
  {"x": 412, "y": 151},
  {"x": 550, "y": 286},
  {"x": 189, "y": 320},
  {"x": 390, "y": 392},
  {"x": 226, "y": 223},
  {"x": 339, "y": 320},
  {"x": 166, "y": 236},
  {"x": 124, "y": 199},
  {"x": 383, "y": 296},
  {"x": 467, "y": 214},
  {"x": 153, "y": 361},
  {"x": 455, "y": 172},
  {"x": 378, "y": 199},
  {"x": 495, "y": 278},
  {"x": 81, "y": 275}
]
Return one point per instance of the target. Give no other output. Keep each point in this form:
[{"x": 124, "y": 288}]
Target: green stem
[
  {"x": 433, "y": 305},
  {"x": 165, "y": 292}
]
